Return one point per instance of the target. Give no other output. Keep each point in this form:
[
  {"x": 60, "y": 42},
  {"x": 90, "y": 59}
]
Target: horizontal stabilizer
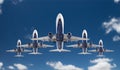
[
  {"x": 35, "y": 53},
  {"x": 19, "y": 56},
  {"x": 57, "y": 50},
  {"x": 84, "y": 53},
  {"x": 109, "y": 50},
  {"x": 100, "y": 56}
]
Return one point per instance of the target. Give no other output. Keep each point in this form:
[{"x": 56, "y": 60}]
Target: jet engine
[
  {"x": 78, "y": 44},
  {"x": 69, "y": 35},
  {"x": 41, "y": 44},
  {"x": 50, "y": 35}
]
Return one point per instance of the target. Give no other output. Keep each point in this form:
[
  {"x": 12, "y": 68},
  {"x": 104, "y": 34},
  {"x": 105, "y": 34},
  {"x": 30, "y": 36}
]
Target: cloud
[
  {"x": 102, "y": 64},
  {"x": 1, "y": 65},
  {"x": 113, "y": 24},
  {"x": 21, "y": 66},
  {"x": 116, "y": 1},
  {"x": 116, "y": 38},
  {"x": 1, "y": 2},
  {"x": 59, "y": 66},
  {"x": 15, "y": 2},
  {"x": 11, "y": 67}
]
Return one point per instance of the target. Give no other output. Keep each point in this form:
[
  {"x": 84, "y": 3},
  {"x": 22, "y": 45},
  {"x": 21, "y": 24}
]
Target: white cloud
[
  {"x": 1, "y": 65},
  {"x": 116, "y": 1},
  {"x": 11, "y": 67},
  {"x": 59, "y": 66},
  {"x": 116, "y": 38},
  {"x": 16, "y": 1},
  {"x": 1, "y": 2},
  {"x": 113, "y": 24},
  {"x": 102, "y": 64},
  {"x": 21, "y": 66}
]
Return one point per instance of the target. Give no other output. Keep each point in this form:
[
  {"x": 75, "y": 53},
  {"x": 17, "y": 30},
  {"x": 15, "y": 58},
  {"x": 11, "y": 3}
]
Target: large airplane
[
  {"x": 35, "y": 44},
  {"x": 100, "y": 49},
  {"x": 84, "y": 45},
  {"x": 59, "y": 37},
  {"x": 19, "y": 49}
]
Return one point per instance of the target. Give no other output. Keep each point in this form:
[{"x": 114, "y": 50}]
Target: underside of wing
[
  {"x": 27, "y": 51},
  {"x": 73, "y": 46},
  {"x": 45, "y": 46},
  {"x": 29, "y": 45},
  {"x": 73, "y": 38},
  {"x": 45, "y": 38},
  {"x": 91, "y": 45},
  {"x": 92, "y": 51}
]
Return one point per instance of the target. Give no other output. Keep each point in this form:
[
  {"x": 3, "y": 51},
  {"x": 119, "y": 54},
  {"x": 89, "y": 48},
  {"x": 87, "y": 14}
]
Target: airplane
[
  {"x": 59, "y": 37},
  {"x": 19, "y": 49},
  {"x": 84, "y": 45},
  {"x": 100, "y": 49},
  {"x": 35, "y": 44}
]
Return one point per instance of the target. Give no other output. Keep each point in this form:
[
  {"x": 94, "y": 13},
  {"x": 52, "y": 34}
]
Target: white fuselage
[{"x": 59, "y": 31}]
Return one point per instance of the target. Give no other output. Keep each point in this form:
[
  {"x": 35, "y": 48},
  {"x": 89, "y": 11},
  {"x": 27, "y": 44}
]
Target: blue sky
[{"x": 18, "y": 19}]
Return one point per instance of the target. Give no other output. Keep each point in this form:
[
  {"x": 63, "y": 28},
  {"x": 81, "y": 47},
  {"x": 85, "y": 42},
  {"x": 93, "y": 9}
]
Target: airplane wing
[
  {"x": 91, "y": 45},
  {"x": 92, "y": 50},
  {"x": 45, "y": 46},
  {"x": 46, "y": 38},
  {"x": 29, "y": 45},
  {"x": 27, "y": 51},
  {"x": 13, "y": 50},
  {"x": 75, "y": 46},
  {"x": 73, "y": 38}
]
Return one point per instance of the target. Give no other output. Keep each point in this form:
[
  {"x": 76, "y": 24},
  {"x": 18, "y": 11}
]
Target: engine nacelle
[
  {"x": 69, "y": 35},
  {"x": 50, "y": 35}
]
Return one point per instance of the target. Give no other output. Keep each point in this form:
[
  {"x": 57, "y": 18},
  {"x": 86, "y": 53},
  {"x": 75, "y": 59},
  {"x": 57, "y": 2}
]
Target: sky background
[{"x": 18, "y": 19}]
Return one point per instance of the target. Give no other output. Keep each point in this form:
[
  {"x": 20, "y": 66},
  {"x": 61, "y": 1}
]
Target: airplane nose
[
  {"x": 84, "y": 34},
  {"x": 59, "y": 18},
  {"x": 35, "y": 34},
  {"x": 101, "y": 43},
  {"x": 18, "y": 42}
]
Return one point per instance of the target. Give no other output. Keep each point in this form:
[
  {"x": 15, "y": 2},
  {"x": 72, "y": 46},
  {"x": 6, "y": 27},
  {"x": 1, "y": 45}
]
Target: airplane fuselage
[
  {"x": 84, "y": 42},
  {"x": 19, "y": 50},
  {"x": 100, "y": 50},
  {"x": 59, "y": 33}
]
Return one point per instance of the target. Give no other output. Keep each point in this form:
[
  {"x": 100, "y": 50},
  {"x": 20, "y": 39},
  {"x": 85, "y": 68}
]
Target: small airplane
[
  {"x": 100, "y": 49},
  {"x": 84, "y": 45},
  {"x": 19, "y": 49},
  {"x": 59, "y": 37},
  {"x": 35, "y": 44}
]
